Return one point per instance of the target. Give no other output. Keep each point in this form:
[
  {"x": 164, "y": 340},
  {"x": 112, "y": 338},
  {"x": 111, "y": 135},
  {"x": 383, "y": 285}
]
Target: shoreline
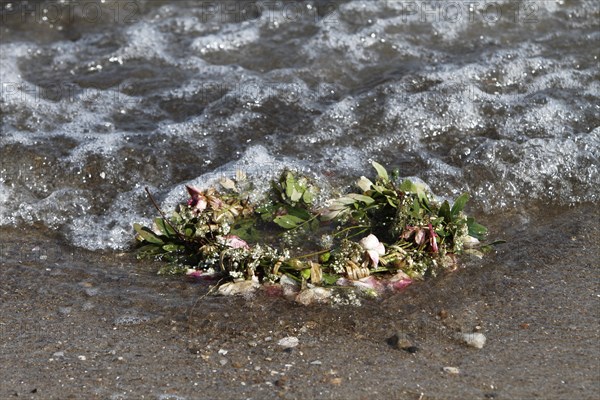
[{"x": 81, "y": 324}]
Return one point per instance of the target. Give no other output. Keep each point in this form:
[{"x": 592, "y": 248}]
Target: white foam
[{"x": 493, "y": 108}]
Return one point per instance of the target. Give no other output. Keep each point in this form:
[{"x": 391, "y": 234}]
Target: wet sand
[{"x": 75, "y": 325}]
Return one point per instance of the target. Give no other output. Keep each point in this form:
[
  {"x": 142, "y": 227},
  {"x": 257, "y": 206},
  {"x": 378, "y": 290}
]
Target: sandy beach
[{"x": 78, "y": 325}]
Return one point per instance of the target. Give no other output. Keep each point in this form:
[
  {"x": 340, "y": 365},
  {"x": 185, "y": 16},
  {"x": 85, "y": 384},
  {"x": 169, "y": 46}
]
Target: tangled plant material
[{"x": 382, "y": 237}]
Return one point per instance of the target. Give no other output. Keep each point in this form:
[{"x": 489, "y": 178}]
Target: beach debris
[
  {"x": 314, "y": 295},
  {"x": 475, "y": 339},
  {"x": 401, "y": 341},
  {"x": 236, "y": 288},
  {"x": 288, "y": 342},
  {"x": 380, "y": 238},
  {"x": 451, "y": 370}
]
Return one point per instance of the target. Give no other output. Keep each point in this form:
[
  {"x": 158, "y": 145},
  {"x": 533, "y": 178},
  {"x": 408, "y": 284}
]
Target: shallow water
[{"x": 100, "y": 99}]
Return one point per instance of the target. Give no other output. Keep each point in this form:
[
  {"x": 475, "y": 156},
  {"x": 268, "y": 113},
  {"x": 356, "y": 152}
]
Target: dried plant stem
[{"x": 162, "y": 214}]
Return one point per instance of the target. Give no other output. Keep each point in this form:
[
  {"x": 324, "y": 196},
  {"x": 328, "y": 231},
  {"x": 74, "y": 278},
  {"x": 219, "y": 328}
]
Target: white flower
[{"x": 373, "y": 247}]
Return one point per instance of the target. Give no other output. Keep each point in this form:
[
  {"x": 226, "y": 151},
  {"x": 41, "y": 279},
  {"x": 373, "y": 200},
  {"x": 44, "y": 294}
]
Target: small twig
[
  {"x": 363, "y": 227},
  {"x": 316, "y": 253},
  {"x": 162, "y": 214},
  {"x": 197, "y": 300}
]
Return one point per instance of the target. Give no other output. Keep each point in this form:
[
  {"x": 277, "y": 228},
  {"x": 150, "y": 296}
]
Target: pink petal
[
  {"x": 197, "y": 275},
  {"x": 420, "y": 236},
  {"x": 370, "y": 242},
  {"x": 432, "y": 240},
  {"x": 201, "y": 204},
  {"x": 235, "y": 242},
  {"x": 343, "y": 282},
  {"x": 193, "y": 191},
  {"x": 399, "y": 285},
  {"x": 374, "y": 256},
  {"x": 369, "y": 282},
  {"x": 399, "y": 281}
]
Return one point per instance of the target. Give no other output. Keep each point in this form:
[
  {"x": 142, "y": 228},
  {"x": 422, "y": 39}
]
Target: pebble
[
  {"x": 239, "y": 288},
  {"x": 476, "y": 340},
  {"x": 313, "y": 295},
  {"x": 289, "y": 287},
  {"x": 451, "y": 370},
  {"x": 65, "y": 310},
  {"x": 401, "y": 341},
  {"x": 289, "y": 342},
  {"x": 91, "y": 292}
]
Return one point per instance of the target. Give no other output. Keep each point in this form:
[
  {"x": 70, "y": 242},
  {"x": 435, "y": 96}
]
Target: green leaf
[
  {"x": 149, "y": 250},
  {"x": 290, "y": 184},
  {"x": 173, "y": 247},
  {"x": 379, "y": 188},
  {"x": 364, "y": 184},
  {"x": 307, "y": 197},
  {"x": 296, "y": 195},
  {"x": 445, "y": 211},
  {"x": 330, "y": 279},
  {"x": 164, "y": 227},
  {"x": 147, "y": 234},
  {"x": 475, "y": 229},
  {"x": 360, "y": 197},
  {"x": 288, "y": 221},
  {"x": 331, "y": 214},
  {"x": 305, "y": 273},
  {"x": 425, "y": 203},
  {"x": 407, "y": 186},
  {"x": 299, "y": 212},
  {"x": 381, "y": 172},
  {"x": 436, "y": 221},
  {"x": 392, "y": 201},
  {"x": 459, "y": 204},
  {"x": 344, "y": 201},
  {"x": 323, "y": 258},
  {"x": 246, "y": 230},
  {"x": 415, "y": 210}
]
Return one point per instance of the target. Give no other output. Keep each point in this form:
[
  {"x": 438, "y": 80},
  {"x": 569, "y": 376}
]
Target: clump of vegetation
[{"x": 385, "y": 234}]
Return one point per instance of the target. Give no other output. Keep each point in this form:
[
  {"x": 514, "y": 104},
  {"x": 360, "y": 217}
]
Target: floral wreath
[{"x": 381, "y": 237}]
